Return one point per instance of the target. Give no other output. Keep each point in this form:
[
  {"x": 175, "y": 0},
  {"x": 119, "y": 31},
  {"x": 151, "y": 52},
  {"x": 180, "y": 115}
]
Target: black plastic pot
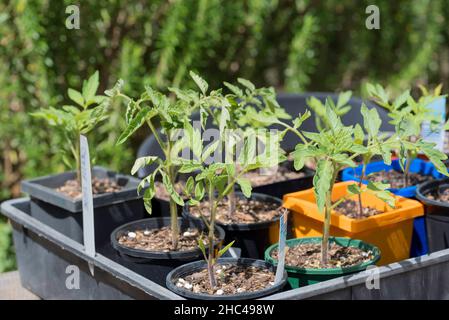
[
  {"x": 190, "y": 268},
  {"x": 251, "y": 238},
  {"x": 279, "y": 189},
  {"x": 155, "y": 265},
  {"x": 64, "y": 214},
  {"x": 437, "y": 214}
]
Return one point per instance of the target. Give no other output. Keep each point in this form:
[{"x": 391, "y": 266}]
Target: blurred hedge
[{"x": 292, "y": 45}]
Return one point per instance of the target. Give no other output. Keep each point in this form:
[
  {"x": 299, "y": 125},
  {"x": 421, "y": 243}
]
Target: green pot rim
[{"x": 339, "y": 240}]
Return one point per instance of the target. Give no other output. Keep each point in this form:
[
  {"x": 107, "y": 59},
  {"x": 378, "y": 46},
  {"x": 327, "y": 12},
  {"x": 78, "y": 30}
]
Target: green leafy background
[{"x": 292, "y": 45}]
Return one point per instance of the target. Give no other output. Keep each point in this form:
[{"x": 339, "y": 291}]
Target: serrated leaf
[
  {"x": 131, "y": 109},
  {"x": 135, "y": 124},
  {"x": 386, "y": 197},
  {"x": 76, "y": 97},
  {"x": 322, "y": 182},
  {"x": 142, "y": 162},
  {"x": 245, "y": 185},
  {"x": 209, "y": 150},
  {"x": 199, "y": 190},
  {"x": 377, "y": 186},
  {"x": 354, "y": 189},
  {"x": 171, "y": 190},
  {"x": 371, "y": 120},
  {"x": 190, "y": 167},
  {"x": 297, "y": 122},
  {"x": 359, "y": 136},
  {"x": 190, "y": 185},
  {"x": 234, "y": 89},
  {"x": 90, "y": 86},
  {"x": 200, "y": 82},
  {"x": 223, "y": 250},
  {"x": 248, "y": 84}
]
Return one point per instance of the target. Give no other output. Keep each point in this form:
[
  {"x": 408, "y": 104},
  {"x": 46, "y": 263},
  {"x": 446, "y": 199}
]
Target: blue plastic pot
[{"x": 419, "y": 245}]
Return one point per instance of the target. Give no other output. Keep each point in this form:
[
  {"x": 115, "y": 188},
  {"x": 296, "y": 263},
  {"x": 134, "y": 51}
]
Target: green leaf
[
  {"x": 209, "y": 150},
  {"x": 248, "y": 84},
  {"x": 354, "y": 189},
  {"x": 234, "y": 89},
  {"x": 377, "y": 186},
  {"x": 199, "y": 190},
  {"x": 322, "y": 182},
  {"x": 386, "y": 197},
  {"x": 135, "y": 124},
  {"x": 371, "y": 120},
  {"x": 149, "y": 194},
  {"x": 435, "y": 156},
  {"x": 190, "y": 167},
  {"x": 223, "y": 250},
  {"x": 343, "y": 99},
  {"x": 245, "y": 185},
  {"x": 90, "y": 86},
  {"x": 76, "y": 97},
  {"x": 200, "y": 82},
  {"x": 171, "y": 190},
  {"x": 297, "y": 122},
  {"x": 142, "y": 162},
  {"x": 359, "y": 136},
  {"x": 131, "y": 109},
  {"x": 190, "y": 184}
]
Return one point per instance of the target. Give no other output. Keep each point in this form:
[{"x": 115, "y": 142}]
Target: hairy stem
[
  {"x": 173, "y": 206},
  {"x": 408, "y": 162},
  {"x": 325, "y": 239},
  {"x": 362, "y": 177},
  {"x": 211, "y": 255},
  {"x": 327, "y": 221}
]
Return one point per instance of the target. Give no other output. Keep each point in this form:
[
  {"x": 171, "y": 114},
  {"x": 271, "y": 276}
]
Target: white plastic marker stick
[
  {"x": 88, "y": 203},
  {"x": 282, "y": 238}
]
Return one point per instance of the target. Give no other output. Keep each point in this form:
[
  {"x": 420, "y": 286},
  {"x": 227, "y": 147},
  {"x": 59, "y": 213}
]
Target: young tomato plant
[
  {"x": 408, "y": 116},
  {"x": 340, "y": 108},
  {"x": 154, "y": 107},
  {"x": 333, "y": 149},
  {"x": 88, "y": 110},
  {"x": 375, "y": 143},
  {"x": 213, "y": 183},
  {"x": 237, "y": 122}
]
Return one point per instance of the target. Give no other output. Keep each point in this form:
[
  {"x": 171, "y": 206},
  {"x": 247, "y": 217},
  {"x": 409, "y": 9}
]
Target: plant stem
[
  {"x": 327, "y": 221},
  {"x": 362, "y": 177},
  {"x": 231, "y": 199},
  {"x": 408, "y": 162},
  {"x": 173, "y": 206},
  {"x": 325, "y": 239},
  {"x": 211, "y": 255}
]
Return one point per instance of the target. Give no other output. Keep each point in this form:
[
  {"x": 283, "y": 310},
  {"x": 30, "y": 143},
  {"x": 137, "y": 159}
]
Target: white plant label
[
  {"x": 282, "y": 238},
  {"x": 88, "y": 204}
]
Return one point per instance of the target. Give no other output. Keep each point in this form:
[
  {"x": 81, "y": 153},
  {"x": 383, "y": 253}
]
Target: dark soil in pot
[
  {"x": 282, "y": 181},
  {"x": 350, "y": 208},
  {"x": 308, "y": 255},
  {"x": 72, "y": 188},
  {"x": 62, "y": 211},
  {"x": 396, "y": 179},
  {"x": 303, "y": 265},
  {"x": 153, "y": 258},
  {"x": 237, "y": 279},
  {"x": 250, "y": 226},
  {"x": 435, "y": 197}
]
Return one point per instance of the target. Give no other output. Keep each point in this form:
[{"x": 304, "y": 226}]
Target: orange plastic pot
[{"x": 390, "y": 231}]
